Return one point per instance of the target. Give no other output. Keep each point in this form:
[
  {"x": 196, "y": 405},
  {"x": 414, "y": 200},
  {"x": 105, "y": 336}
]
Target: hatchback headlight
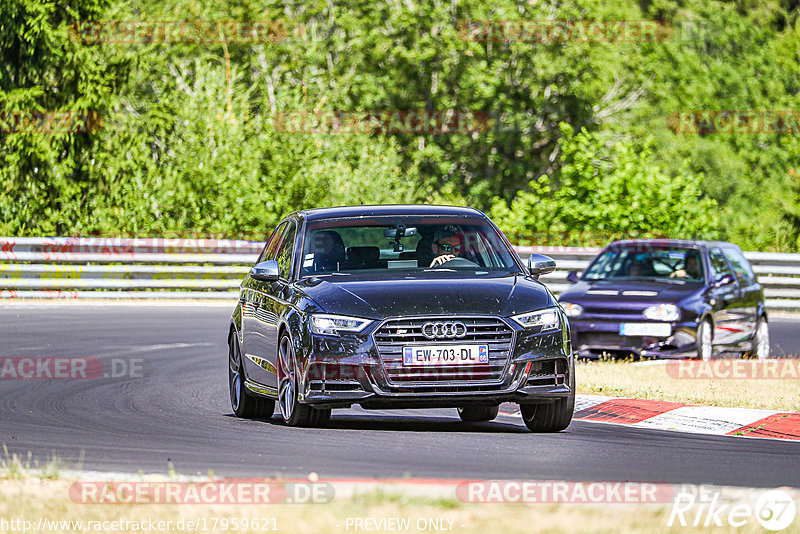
[
  {"x": 547, "y": 319},
  {"x": 662, "y": 312},
  {"x": 333, "y": 325},
  {"x": 571, "y": 309}
]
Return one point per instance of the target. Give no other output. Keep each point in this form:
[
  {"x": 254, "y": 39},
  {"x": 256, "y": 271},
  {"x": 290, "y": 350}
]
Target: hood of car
[
  {"x": 629, "y": 291},
  {"x": 428, "y": 293}
]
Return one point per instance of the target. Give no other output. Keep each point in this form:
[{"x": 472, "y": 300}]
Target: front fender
[
  {"x": 294, "y": 324},
  {"x": 236, "y": 321}
]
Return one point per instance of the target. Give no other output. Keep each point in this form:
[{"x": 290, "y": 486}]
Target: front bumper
[
  {"x": 595, "y": 338},
  {"x": 346, "y": 371}
]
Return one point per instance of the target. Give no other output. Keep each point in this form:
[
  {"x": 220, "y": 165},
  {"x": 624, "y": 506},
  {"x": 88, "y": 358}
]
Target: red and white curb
[{"x": 662, "y": 415}]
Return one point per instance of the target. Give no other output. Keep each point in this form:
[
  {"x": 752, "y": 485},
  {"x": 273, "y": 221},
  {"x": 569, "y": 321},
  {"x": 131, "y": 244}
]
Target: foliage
[
  {"x": 188, "y": 143},
  {"x": 608, "y": 188}
]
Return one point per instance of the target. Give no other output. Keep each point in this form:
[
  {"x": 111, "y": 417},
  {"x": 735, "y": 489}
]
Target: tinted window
[
  {"x": 272, "y": 244},
  {"x": 719, "y": 266},
  {"x": 740, "y": 265},
  {"x": 285, "y": 251},
  {"x": 648, "y": 262}
]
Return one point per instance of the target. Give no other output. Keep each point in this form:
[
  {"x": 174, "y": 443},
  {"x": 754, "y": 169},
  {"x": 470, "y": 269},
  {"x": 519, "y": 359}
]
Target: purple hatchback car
[{"x": 667, "y": 299}]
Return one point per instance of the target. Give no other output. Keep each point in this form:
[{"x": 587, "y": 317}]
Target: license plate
[
  {"x": 446, "y": 355},
  {"x": 645, "y": 329}
]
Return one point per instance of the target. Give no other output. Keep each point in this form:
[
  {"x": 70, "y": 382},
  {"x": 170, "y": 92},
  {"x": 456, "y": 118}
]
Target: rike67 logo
[{"x": 696, "y": 506}]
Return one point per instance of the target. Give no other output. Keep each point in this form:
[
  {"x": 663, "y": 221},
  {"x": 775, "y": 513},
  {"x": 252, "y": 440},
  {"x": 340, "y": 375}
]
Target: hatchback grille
[{"x": 395, "y": 334}]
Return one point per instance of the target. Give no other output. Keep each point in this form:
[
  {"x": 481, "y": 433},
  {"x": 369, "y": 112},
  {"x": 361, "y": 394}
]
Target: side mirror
[
  {"x": 725, "y": 280},
  {"x": 539, "y": 264},
  {"x": 266, "y": 271},
  {"x": 572, "y": 277}
]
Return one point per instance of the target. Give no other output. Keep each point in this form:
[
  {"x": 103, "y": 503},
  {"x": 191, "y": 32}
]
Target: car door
[
  {"x": 749, "y": 293},
  {"x": 274, "y": 303},
  {"x": 255, "y": 345},
  {"x": 724, "y": 301}
]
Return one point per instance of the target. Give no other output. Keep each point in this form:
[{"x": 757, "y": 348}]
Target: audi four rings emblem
[{"x": 439, "y": 330}]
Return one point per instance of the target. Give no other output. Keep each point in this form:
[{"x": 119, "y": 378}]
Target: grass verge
[
  {"x": 43, "y": 501},
  {"x": 621, "y": 379}
]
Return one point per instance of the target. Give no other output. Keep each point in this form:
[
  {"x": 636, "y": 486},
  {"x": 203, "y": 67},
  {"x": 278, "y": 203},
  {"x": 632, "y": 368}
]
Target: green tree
[
  {"x": 609, "y": 187},
  {"x": 43, "y": 175}
]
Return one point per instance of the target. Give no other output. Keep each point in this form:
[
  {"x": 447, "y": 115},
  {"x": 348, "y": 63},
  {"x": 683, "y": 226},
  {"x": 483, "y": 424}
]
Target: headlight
[
  {"x": 572, "y": 310},
  {"x": 662, "y": 312},
  {"x": 546, "y": 319},
  {"x": 332, "y": 325}
]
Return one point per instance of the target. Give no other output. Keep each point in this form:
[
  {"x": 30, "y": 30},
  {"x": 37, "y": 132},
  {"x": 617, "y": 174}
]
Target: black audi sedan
[
  {"x": 667, "y": 299},
  {"x": 398, "y": 307}
]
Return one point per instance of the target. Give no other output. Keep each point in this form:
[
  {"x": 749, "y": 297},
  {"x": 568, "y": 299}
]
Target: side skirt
[{"x": 259, "y": 389}]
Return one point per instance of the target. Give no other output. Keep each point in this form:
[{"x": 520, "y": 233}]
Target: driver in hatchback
[{"x": 691, "y": 268}]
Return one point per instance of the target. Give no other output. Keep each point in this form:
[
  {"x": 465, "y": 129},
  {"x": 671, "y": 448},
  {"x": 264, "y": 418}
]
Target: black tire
[
  {"x": 293, "y": 412},
  {"x": 244, "y": 403},
  {"x": 477, "y": 414},
  {"x": 319, "y": 417},
  {"x": 552, "y": 417},
  {"x": 705, "y": 335}
]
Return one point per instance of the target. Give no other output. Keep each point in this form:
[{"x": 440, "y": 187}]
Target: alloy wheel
[
  {"x": 762, "y": 340},
  {"x": 705, "y": 341},
  {"x": 235, "y": 373},
  {"x": 288, "y": 379}
]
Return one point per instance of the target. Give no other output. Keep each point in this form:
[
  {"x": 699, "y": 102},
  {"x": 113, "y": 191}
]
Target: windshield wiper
[{"x": 321, "y": 275}]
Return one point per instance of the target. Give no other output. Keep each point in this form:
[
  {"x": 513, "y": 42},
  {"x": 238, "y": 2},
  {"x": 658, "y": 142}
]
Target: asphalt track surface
[{"x": 178, "y": 412}]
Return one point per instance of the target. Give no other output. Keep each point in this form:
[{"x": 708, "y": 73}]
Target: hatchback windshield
[
  {"x": 403, "y": 243},
  {"x": 668, "y": 263}
]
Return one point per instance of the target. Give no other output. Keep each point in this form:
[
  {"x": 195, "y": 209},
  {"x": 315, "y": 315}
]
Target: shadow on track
[{"x": 398, "y": 423}]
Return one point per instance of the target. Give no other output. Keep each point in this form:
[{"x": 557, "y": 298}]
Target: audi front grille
[{"x": 394, "y": 334}]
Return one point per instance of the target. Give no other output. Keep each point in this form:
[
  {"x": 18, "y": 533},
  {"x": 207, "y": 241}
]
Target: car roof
[
  {"x": 688, "y": 243},
  {"x": 391, "y": 209}
]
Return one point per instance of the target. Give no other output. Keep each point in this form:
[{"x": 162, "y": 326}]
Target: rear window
[{"x": 741, "y": 267}]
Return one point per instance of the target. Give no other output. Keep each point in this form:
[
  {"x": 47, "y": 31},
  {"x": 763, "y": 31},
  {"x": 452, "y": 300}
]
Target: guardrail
[{"x": 63, "y": 267}]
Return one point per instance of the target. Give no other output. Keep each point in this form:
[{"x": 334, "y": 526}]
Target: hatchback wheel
[
  {"x": 704, "y": 337},
  {"x": 243, "y": 403},
  {"x": 293, "y": 412},
  {"x": 760, "y": 344}
]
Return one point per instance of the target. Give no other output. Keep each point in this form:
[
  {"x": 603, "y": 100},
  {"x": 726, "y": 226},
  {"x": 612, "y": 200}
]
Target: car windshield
[
  {"x": 403, "y": 243},
  {"x": 648, "y": 262}
]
